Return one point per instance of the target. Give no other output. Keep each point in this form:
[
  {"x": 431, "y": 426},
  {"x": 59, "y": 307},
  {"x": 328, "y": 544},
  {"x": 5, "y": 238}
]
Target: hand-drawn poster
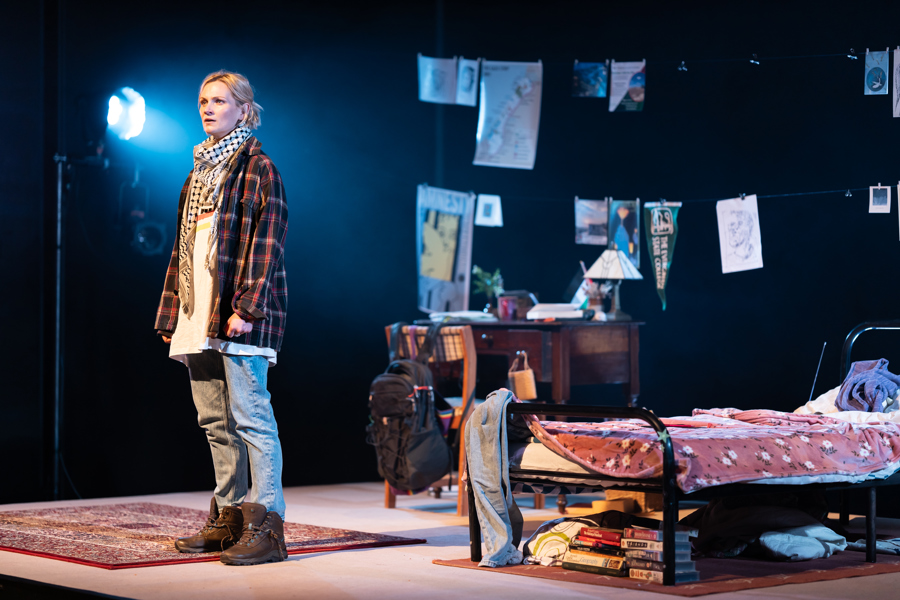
[
  {"x": 661, "y": 225},
  {"x": 467, "y": 82},
  {"x": 591, "y": 222},
  {"x": 444, "y": 248},
  {"x": 739, "y": 238},
  {"x": 627, "y": 86},
  {"x": 897, "y": 83},
  {"x": 489, "y": 211},
  {"x": 876, "y": 73},
  {"x": 625, "y": 228},
  {"x": 509, "y": 114},
  {"x": 879, "y": 199},
  {"x": 437, "y": 80},
  {"x": 589, "y": 79}
]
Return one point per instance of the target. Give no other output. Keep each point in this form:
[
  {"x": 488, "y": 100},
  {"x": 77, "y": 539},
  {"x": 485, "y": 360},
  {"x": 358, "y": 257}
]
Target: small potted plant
[{"x": 489, "y": 284}]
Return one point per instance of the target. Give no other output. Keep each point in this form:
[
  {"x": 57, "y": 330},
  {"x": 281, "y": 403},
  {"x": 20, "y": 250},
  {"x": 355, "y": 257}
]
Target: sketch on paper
[
  {"x": 437, "y": 80},
  {"x": 467, "y": 82},
  {"x": 625, "y": 228},
  {"x": 591, "y": 222},
  {"x": 879, "y": 199},
  {"x": 740, "y": 243},
  {"x": 444, "y": 220}
]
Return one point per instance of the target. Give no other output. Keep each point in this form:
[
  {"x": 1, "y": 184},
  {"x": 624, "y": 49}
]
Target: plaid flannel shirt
[{"x": 253, "y": 220}]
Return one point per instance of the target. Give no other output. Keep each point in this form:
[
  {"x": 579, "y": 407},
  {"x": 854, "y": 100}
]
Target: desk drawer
[{"x": 509, "y": 341}]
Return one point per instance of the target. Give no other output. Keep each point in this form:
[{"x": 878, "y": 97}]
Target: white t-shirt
[{"x": 190, "y": 332}]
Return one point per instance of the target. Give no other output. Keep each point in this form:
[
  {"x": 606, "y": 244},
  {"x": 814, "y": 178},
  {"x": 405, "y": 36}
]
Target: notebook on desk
[{"x": 563, "y": 310}]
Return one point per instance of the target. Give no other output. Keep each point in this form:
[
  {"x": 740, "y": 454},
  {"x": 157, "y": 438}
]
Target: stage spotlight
[
  {"x": 126, "y": 113},
  {"x": 149, "y": 238}
]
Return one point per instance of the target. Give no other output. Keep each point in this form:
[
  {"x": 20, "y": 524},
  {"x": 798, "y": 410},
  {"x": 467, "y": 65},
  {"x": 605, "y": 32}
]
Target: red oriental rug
[
  {"x": 717, "y": 575},
  {"x": 141, "y": 534}
]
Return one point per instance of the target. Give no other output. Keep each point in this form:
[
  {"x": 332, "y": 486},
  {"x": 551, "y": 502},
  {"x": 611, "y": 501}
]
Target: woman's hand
[
  {"x": 167, "y": 339},
  {"x": 237, "y": 326}
]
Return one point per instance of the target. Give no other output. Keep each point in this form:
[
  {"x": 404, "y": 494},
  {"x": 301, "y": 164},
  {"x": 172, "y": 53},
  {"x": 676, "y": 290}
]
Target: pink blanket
[{"x": 731, "y": 446}]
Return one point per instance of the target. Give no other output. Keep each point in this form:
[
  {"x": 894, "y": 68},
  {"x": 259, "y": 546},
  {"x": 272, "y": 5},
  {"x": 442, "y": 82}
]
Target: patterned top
[{"x": 252, "y": 230}]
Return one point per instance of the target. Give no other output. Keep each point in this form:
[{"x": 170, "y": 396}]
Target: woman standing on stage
[{"x": 223, "y": 311}]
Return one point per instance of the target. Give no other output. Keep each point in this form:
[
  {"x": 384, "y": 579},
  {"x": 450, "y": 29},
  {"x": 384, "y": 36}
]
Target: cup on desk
[{"x": 506, "y": 308}]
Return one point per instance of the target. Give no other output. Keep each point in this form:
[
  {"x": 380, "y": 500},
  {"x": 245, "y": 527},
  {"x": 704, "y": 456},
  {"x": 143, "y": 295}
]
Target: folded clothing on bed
[{"x": 869, "y": 387}]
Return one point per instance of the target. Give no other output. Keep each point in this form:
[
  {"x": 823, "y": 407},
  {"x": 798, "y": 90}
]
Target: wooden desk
[{"x": 568, "y": 353}]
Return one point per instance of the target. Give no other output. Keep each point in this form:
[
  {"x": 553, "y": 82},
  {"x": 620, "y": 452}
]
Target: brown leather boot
[
  {"x": 262, "y": 540},
  {"x": 221, "y": 531}
]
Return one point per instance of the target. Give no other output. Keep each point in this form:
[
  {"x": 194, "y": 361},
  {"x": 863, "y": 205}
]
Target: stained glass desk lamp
[{"x": 614, "y": 265}]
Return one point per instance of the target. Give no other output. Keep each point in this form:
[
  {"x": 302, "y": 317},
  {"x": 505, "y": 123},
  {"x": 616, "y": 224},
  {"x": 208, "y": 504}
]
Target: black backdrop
[{"x": 344, "y": 125}]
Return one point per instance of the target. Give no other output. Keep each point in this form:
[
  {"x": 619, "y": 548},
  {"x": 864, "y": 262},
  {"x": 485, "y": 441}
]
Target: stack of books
[
  {"x": 644, "y": 555},
  {"x": 597, "y": 550}
]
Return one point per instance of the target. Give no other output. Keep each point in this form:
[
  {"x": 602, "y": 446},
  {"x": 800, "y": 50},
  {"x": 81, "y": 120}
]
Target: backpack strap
[
  {"x": 428, "y": 345},
  {"x": 394, "y": 347}
]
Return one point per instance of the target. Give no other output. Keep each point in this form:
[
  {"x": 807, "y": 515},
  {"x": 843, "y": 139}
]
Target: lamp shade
[{"x": 613, "y": 264}]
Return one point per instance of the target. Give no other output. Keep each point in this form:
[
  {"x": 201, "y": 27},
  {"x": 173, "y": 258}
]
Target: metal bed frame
[{"x": 666, "y": 485}]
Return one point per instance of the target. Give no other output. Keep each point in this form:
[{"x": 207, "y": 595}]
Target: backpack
[{"x": 411, "y": 449}]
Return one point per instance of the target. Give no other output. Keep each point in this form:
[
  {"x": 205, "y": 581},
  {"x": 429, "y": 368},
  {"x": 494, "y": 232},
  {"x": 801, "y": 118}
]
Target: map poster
[
  {"x": 589, "y": 79},
  {"x": 591, "y": 222},
  {"x": 509, "y": 114},
  {"x": 876, "y": 73},
  {"x": 627, "y": 86},
  {"x": 661, "y": 226},
  {"x": 467, "y": 82},
  {"x": 739, "y": 240},
  {"x": 625, "y": 228},
  {"x": 437, "y": 80},
  {"x": 444, "y": 221}
]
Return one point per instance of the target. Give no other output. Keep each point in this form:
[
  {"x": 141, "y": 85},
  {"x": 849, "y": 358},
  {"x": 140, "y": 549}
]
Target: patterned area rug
[
  {"x": 141, "y": 534},
  {"x": 717, "y": 575}
]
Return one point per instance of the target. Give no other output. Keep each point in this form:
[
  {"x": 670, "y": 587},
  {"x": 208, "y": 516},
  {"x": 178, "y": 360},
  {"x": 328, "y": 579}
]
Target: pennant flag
[
  {"x": 661, "y": 225},
  {"x": 876, "y": 73}
]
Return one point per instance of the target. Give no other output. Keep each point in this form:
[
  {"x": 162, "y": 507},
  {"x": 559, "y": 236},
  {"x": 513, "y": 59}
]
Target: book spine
[
  {"x": 653, "y": 535},
  {"x": 652, "y": 565},
  {"x": 596, "y": 534},
  {"x": 646, "y": 574},
  {"x": 656, "y": 555},
  {"x": 593, "y": 543},
  {"x": 598, "y": 549},
  {"x": 597, "y": 560},
  {"x": 632, "y": 544},
  {"x": 596, "y": 570}
]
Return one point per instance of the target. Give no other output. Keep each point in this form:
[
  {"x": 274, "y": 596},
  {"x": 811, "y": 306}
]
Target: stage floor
[{"x": 392, "y": 572}]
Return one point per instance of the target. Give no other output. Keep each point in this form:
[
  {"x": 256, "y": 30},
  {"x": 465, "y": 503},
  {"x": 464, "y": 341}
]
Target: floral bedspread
[{"x": 719, "y": 446}]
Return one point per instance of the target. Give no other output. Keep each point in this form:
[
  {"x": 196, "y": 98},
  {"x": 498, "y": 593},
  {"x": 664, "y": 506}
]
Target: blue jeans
[{"x": 234, "y": 408}]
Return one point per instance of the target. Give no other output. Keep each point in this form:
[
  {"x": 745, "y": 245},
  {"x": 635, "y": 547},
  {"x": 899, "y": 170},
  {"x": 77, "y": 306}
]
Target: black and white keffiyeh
[{"x": 213, "y": 161}]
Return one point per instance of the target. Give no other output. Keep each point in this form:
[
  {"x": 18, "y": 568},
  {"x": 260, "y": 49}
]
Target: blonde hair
[{"x": 242, "y": 91}]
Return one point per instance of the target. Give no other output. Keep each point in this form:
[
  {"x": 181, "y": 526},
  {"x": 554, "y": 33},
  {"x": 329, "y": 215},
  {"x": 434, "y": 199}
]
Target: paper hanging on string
[
  {"x": 589, "y": 79},
  {"x": 591, "y": 222},
  {"x": 467, "y": 82},
  {"x": 443, "y": 248},
  {"x": 509, "y": 114},
  {"x": 437, "y": 80},
  {"x": 879, "y": 199},
  {"x": 625, "y": 228},
  {"x": 876, "y": 73},
  {"x": 739, "y": 237},
  {"x": 489, "y": 211},
  {"x": 661, "y": 226},
  {"x": 897, "y": 84},
  {"x": 627, "y": 86}
]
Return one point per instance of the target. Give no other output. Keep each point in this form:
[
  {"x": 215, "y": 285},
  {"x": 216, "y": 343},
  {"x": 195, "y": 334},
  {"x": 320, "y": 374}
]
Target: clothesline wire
[
  {"x": 758, "y": 58},
  {"x": 793, "y": 194}
]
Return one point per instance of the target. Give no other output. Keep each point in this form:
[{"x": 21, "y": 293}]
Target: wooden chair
[{"x": 455, "y": 343}]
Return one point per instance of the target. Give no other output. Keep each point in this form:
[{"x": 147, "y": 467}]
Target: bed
[{"x": 753, "y": 452}]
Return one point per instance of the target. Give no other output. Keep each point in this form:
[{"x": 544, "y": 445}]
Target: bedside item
[
  {"x": 522, "y": 382},
  {"x": 507, "y": 308}
]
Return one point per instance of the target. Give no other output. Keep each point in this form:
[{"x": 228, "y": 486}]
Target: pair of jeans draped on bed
[{"x": 487, "y": 433}]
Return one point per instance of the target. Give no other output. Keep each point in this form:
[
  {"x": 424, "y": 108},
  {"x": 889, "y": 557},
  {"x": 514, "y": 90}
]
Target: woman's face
[{"x": 219, "y": 111}]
